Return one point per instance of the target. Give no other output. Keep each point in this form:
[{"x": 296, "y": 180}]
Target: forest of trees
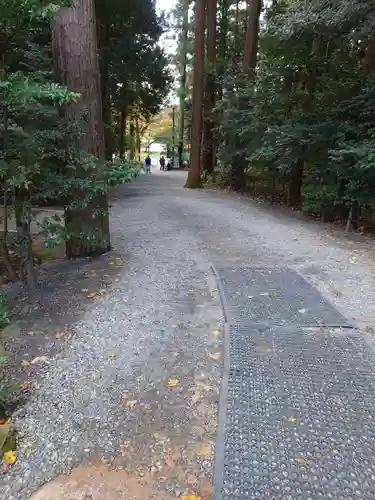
[
  {"x": 286, "y": 106},
  {"x": 80, "y": 80}
]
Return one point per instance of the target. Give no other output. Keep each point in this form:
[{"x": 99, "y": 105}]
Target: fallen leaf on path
[
  {"x": 25, "y": 363},
  {"x": 173, "y": 382},
  {"x": 30, "y": 333},
  {"x": 9, "y": 457},
  {"x": 131, "y": 403},
  {"x": 169, "y": 461},
  {"x": 196, "y": 397},
  {"x": 301, "y": 462},
  {"x": 204, "y": 449},
  {"x": 38, "y": 360},
  {"x": 190, "y": 291},
  {"x": 204, "y": 386},
  {"x": 118, "y": 261},
  {"x": 190, "y": 497},
  {"x": 215, "y": 356},
  {"x": 112, "y": 356},
  {"x": 352, "y": 259},
  {"x": 60, "y": 335},
  {"x": 25, "y": 385},
  {"x": 212, "y": 290},
  {"x": 291, "y": 420}
]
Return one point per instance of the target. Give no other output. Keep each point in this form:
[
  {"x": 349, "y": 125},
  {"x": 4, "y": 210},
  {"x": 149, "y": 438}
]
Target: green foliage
[
  {"x": 121, "y": 171},
  {"x": 311, "y": 104},
  {"x": 39, "y": 163},
  {"x": 134, "y": 67}
]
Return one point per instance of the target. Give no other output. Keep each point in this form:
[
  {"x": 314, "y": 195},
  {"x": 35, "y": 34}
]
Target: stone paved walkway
[{"x": 133, "y": 396}]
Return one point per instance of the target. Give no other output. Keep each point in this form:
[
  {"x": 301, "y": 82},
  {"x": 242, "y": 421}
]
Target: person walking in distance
[
  {"x": 148, "y": 164},
  {"x": 162, "y": 163}
]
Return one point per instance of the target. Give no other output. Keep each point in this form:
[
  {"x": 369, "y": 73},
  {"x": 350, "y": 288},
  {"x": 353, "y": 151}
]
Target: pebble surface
[{"x": 168, "y": 238}]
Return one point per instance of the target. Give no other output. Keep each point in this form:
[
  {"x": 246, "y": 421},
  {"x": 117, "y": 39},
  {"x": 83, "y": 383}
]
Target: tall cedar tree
[
  {"x": 252, "y": 37},
  {"x": 194, "y": 179},
  {"x": 210, "y": 94},
  {"x": 75, "y": 54},
  {"x": 183, "y": 65}
]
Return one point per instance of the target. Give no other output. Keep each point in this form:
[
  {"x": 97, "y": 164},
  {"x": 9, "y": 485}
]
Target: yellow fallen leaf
[
  {"x": 30, "y": 333},
  {"x": 91, "y": 295},
  {"x": 204, "y": 449},
  {"x": 25, "y": 363},
  {"x": 196, "y": 397},
  {"x": 301, "y": 462},
  {"x": 173, "y": 382},
  {"x": 131, "y": 403},
  {"x": 190, "y": 497},
  {"x": 212, "y": 290},
  {"x": 38, "y": 360},
  {"x": 291, "y": 420},
  {"x": 112, "y": 356},
  {"x": 169, "y": 461},
  {"x": 9, "y": 457},
  {"x": 60, "y": 335},
  {"x": 215, "y": 356},
  {"x": 25, "y": 385},
  {"x": 352, "y": 259}
]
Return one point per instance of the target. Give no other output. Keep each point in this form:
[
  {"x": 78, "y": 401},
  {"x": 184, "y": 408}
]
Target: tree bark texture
[
  {"x": 104, "y": 51},
  {"x": 252, "y": 37},
  {"x": 208, "y": 157},
  {"x": 295, "y": 184},
  {"x": 194, "y": 175},
  {"x": 122, "y": 134},
  {"x": 223, "y": 42},
  {"x": 183, "y": 64},
  {"x": 75, "y": 51}
]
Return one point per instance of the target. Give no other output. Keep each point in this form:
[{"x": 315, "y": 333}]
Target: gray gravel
[{"x": 169, "y": 238}]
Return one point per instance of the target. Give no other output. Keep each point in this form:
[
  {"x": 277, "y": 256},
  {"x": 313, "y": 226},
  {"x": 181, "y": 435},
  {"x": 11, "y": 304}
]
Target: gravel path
[{"x": 138, "y": 386}]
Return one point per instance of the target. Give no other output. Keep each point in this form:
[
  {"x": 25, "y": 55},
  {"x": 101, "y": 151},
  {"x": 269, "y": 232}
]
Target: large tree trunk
[
  {"x": 295, "y": 184},
  {"x": 210, "y": 95},
  {"x": 252, "y": 37},
  {"x": 223, "y": 42},
  {"x": 132, "y": 141},
  {"x": 122, "y": 134},
  {"x": 183, "y": 64},
  {"x": 194, "y": 175},
  {"x": 76, "y": 60},
  {"x": 104, "y": 51}
]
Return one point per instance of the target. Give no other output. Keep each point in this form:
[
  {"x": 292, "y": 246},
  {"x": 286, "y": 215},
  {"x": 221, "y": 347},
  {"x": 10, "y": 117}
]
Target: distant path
[{"x": 138, "y": 387}]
